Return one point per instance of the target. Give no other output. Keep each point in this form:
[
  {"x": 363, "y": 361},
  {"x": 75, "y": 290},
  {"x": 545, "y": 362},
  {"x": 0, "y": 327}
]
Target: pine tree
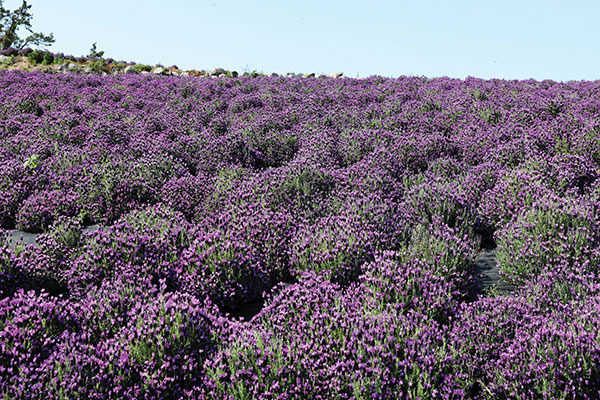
[{"x": 11, "y": 21}]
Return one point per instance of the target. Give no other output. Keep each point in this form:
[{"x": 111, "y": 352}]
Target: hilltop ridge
[{"x": 48, "y": 62}]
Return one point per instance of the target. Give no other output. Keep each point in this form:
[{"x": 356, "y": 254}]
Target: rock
[
  {"x": 185, "y": 74},
  {"x": 158, "y": 71},
  {"x": 3, "y": 58},
  {"x": 311, "y": 75},
  {"x": 72, "y": 66},
  {"x": 146, "y": 73},
  {"x": 218, "y": 71},
  {"x": 61, "y": 68},
  {"x": 222, "y": 76},
  {"x": 336, "y": 75},
  {"x": 274, "y": 75},
  {"x": 129, "y": 70},
  {"x": 234, "y": 74},
  {"x": 173, "y": 73},
  {"x": 88, "y": 70}
]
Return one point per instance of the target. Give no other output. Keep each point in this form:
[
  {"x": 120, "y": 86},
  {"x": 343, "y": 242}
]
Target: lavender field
[{"x": 298, "y": 238}]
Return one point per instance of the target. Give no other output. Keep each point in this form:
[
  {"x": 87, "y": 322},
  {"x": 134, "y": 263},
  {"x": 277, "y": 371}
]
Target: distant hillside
[{"x": 46, "y": 61}]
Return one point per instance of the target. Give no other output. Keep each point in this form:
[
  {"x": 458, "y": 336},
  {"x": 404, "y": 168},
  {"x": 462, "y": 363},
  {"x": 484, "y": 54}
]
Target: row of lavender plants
[{"x": 352, "y": 208}]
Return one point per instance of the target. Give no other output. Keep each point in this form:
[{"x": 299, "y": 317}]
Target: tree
[
  {"x": 11, "y": 21},
  {"x": 94, "y": 52}
]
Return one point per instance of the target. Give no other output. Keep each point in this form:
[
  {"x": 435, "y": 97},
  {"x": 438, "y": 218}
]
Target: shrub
[
  {"x": 223, "y": 267},
  {"x": 138, "y": 68},
  {"x": 504, "y": 347},
  {"x": 144, "y": 244},
  {"x": 35, "y": 56},
  {"x": 47, "y": 58},
  {"x": 314, "y": 341},
  {"x": 41, "y": 209},
  {"x": 26, "y": 51},
  {"x": 557, "y": 236}
]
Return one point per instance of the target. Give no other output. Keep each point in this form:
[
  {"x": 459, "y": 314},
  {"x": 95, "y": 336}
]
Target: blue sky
[{"x": 557, "y": 40}]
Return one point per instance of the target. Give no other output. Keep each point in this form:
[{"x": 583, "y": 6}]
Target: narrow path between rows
[
  {"x": 18, "y": 236},
  {"x": 486, "y": 274}
]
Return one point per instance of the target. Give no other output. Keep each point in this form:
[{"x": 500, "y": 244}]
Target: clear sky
[{"x": 547, "y": 39}]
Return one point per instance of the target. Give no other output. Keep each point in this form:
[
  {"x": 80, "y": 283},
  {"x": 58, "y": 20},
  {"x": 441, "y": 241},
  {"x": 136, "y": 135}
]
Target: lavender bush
[{"x": 291, "y": 238}]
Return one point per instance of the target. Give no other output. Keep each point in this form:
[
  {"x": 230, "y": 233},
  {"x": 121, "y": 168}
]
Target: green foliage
[
  {"x": 138, "y": 68},
  {"x": 448, "y": 256},
  {"x": 36, "y": 57},
  {"x": 99, "y": 66},
  {"x": 307, "y": 190},
  {"x": 490, "y": 116},
  {"x": 479, "y": 95},
  {"x": 309, "y": 182},
  {"x": 30, "y": 106},
  {"x": 552, "y": 238},
  {"x": 48, "y": 58},
  {"x": 9, "y": 61},
  {"x": 32, "y": 162},
  {"x": 12, "y": 21},
  {"x": 94, "y": 52}
]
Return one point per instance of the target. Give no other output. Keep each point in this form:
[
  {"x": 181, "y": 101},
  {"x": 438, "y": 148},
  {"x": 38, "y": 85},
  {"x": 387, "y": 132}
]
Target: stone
[
  {"x": 274, "y": 75},
  {"x": 158, "y": 71},
  {"x": 4, "y": 58},
  {"x": 185, "y": 74},
  {"x": 72, "y": 66},
  {"x": 311, "y": 75},
  {"x": 129, "y": 70},
  {"x": 336, "y": 75},
  {"x": 146, "y": 73},
  {"x": 222, "y": 76},
  {"x": 218, "y": 71},
  {"x": 234, "y": 74},
  {"x": 88, "y": 70}
]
